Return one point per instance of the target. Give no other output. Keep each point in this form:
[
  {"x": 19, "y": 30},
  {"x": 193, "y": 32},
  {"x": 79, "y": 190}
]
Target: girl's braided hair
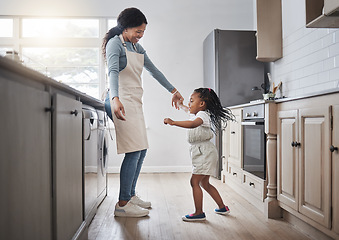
[{"x": 217, "y": 112}]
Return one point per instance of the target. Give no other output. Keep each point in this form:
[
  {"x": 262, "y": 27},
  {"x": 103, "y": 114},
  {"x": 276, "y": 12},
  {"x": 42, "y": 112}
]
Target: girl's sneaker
[
  {"x": 192, "y": 218},
  {"x": 224, "y": 211}
]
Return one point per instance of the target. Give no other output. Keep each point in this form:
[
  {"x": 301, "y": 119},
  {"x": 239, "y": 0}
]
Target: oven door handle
[{"x": 251, "y": 123}]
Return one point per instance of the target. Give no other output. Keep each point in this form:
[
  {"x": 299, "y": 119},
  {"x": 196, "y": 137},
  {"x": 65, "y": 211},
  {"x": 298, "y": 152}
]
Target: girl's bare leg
[
  {"x": 197, "y": 193},
  {"x": 212, "y": 191}
]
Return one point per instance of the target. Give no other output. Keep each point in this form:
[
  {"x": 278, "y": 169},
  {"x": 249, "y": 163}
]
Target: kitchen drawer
[
  {"x": 254, "y": 185},
  {"x": 234, "y": 173}
]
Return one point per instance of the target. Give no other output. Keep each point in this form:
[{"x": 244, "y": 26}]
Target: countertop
[
  {"x": 287, "y": 99},
  {"x": 10, "y": 67}
]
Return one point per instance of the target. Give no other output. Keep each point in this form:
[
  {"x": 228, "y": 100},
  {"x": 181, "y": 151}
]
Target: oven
[{"x": 254, "y": 140}]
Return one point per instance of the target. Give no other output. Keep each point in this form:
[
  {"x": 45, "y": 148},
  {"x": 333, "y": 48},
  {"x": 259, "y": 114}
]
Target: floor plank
[{"x": 171, "y": 197}]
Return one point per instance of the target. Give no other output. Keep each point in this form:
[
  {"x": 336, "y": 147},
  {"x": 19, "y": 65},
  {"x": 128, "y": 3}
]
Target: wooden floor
[{"x": 171, "y": 197}]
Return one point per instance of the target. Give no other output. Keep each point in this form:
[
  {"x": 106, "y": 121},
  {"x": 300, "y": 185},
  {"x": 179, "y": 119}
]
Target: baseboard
[
  {"x": 91, "y": 169},
  {"x": 156, "y": 169}
]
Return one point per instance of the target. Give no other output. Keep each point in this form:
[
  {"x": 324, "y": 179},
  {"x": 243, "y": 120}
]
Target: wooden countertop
[{"x": 287, "y": 99}]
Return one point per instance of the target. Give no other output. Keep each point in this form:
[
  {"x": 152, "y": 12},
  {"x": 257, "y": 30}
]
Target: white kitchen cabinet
[
  {"x": 287, "y": 167},
  {"x": 235, "y": 139},
  {"x": 322, "y": 13},
  {"x": 304, "y": 166},
  {"x": 315, "y": 164},
  {"x": 232, "y": 146},
  {"x": 269, "y": 30},
  {"x": 67, "y": 148},
  {"x": 335, "y": 168},
  {"x": 25, "y": 166}
]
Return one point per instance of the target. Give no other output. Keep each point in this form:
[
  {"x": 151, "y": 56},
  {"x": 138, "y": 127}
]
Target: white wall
[
  {"x": 310, "y": 60},
  {"x": 173, "y": 40}
]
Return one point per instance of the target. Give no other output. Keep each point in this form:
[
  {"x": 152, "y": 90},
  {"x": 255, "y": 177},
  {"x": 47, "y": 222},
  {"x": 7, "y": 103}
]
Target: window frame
[{"x": 18, "y": 42}]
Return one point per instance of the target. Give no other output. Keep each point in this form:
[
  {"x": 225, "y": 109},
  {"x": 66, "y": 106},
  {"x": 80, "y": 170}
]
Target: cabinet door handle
[
  {"x": 333, "y": 148},
  {"x": 232, "y": 132},
  {"x": 50, "y": 109},
  {"x": 251, "y": 184},
  {"x": 75, "y": 112},
  {"x": 235, "y": 174},
  {"x": 295, "y": 144}
]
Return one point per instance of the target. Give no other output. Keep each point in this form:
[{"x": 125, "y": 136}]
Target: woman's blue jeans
[
  {"x": 129, "y": 173},
  {"x": 130, "y": 167}
]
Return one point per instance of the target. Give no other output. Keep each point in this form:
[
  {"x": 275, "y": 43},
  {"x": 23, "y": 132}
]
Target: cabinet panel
[
  {"x": 235, "y": 140},
  {"x": 67, "y": 142},
  {"x": 287, "y": 158},
  {"x": 335, "y": 169},
  {"x": 25, "y": 166},
  {"x": 269, "y": 30},
  {"x": 315, "y": 165}
]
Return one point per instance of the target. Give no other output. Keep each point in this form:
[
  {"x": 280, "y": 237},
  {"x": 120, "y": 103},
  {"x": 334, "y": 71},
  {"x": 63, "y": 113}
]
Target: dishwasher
[{"x": 90, "y": 161}]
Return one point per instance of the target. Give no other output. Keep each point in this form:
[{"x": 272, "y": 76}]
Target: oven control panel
[{"x": 254, "y": 112}]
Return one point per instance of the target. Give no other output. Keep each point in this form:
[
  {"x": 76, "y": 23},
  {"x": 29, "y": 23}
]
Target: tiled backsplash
[{"x": 310, "y": 60}]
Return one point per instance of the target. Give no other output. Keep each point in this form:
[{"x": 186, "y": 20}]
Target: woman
[{"x": 125, "y": 59}]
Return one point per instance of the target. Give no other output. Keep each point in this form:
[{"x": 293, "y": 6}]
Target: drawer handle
[
  {"x": 235, "y": 174},
  {"x": 251, "y": 184},
  {"x": 232, "y": 132}
]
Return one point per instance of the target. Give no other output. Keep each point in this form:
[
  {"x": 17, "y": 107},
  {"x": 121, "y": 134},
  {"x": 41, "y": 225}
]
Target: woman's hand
[
  {"x": 177, "y": 99},
  {"x": 118, "y": 109},
  {"x": 168, "y": 121}
]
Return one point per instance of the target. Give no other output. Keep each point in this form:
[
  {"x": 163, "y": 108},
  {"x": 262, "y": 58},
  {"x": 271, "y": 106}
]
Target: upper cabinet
[
  {"x": 322, "y": 13},
  {"x": 269, "y": 30}
]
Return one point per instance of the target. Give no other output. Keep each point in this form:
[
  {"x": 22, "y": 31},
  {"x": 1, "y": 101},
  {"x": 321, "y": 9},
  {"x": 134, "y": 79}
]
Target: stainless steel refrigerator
[{"x": 231, "y": 69}]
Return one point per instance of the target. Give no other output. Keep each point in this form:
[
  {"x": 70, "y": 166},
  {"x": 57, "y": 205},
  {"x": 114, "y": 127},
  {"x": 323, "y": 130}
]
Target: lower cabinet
[
  {"x": 25, "y": 166},
  {"x": 304, "y": 162},
  {"x": 235, "y": 139},
  {"x": 308, "y": 161},
  {"x": 67, "y": 147},
  {"x": 287, "y": 168}
]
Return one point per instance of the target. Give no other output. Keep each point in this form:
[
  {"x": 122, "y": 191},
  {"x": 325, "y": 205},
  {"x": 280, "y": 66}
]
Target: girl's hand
[
  {"x": 118, "y": 109},
  {"x": 177, "y": 99},
  {"x": 168, "y": 121}
]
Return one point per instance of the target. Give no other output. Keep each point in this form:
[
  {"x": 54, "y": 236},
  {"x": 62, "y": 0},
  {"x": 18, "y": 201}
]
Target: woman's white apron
[{"x": 131, "y": 134}]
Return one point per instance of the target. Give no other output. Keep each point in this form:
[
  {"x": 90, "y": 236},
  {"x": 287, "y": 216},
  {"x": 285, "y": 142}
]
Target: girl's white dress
[{"x": 203, "y": 152}]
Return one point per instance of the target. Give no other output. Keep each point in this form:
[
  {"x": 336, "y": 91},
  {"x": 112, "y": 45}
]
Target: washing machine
[
  {"x": 103, "y": 136},
  {"x": 90, "y": 161}
]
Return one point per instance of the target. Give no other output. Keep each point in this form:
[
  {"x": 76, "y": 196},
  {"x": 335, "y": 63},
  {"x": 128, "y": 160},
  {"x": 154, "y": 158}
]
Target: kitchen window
[
  {"x": 65, "y": 49},
  {"x": 6, "y": 26}
]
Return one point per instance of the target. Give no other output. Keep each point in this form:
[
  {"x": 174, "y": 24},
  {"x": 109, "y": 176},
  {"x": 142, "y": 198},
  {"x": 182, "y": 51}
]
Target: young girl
[{"x": 205, "y": 106}]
